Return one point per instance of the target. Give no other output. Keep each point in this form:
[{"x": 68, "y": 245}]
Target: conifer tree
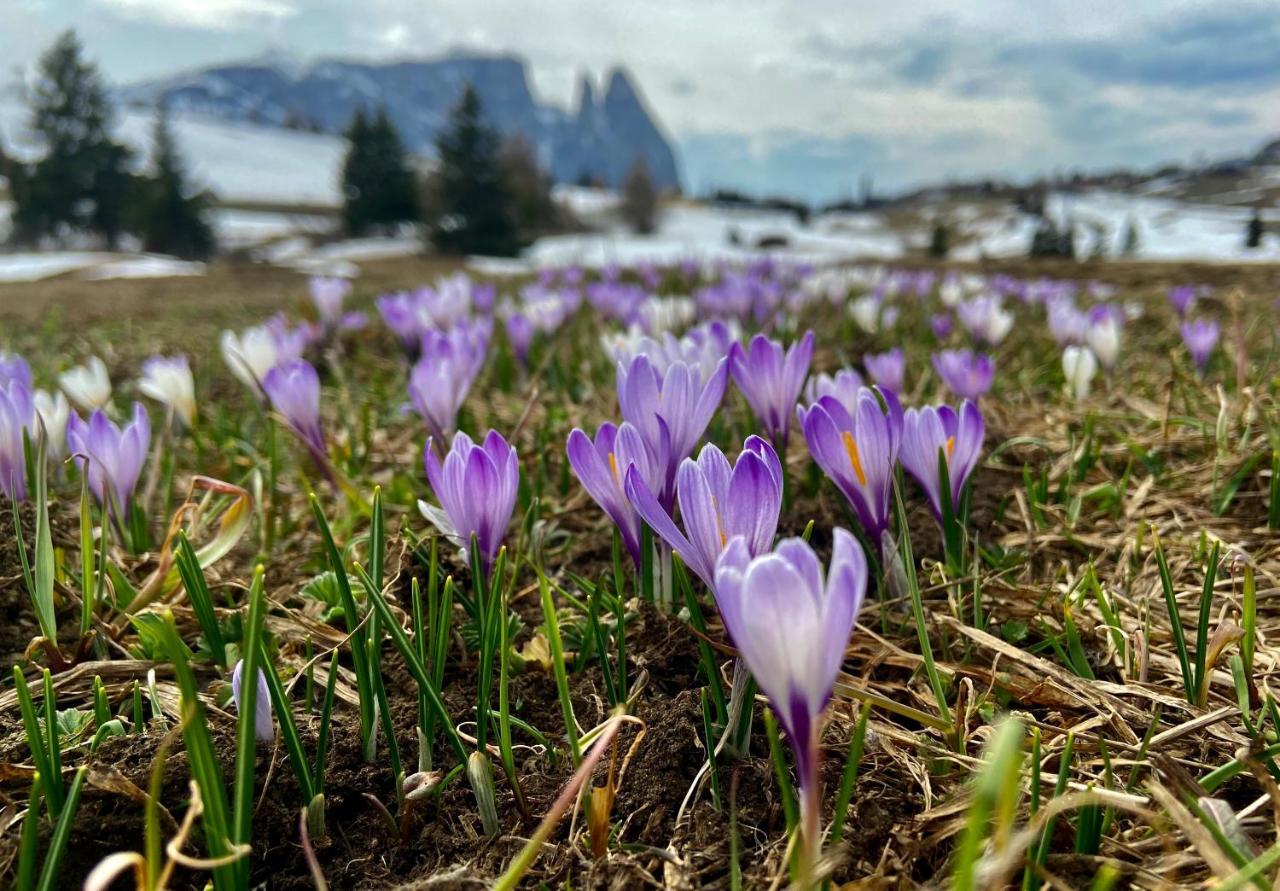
[
  {"x": 474, "y": 200},
  {"x": 172, "y": 216},
  {"x": 83, "y": 181},
  {"x": 639, "y": 199},
  {"x": 378, "y": 186}
]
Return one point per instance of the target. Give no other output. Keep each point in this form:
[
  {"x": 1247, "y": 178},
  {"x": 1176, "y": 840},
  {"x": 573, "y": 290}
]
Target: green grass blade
[
  {"x": 288, "y": 728},
  {"x": 61, "y": 834},
  {"x": 557, "y": 666},
  {"x": 29, "y": 840},
  {"x": 197, "y": 588},
  {"x": 416, "y": 668},
  {"x": 359, "y": 657},
  {"x": 205, "y": 769},
  {"x": 1202, "y": 626},
  {"x": 246, "y": 725},
  {"x": 326, "y": 720},
  {"x": 1175, "y": 621}
]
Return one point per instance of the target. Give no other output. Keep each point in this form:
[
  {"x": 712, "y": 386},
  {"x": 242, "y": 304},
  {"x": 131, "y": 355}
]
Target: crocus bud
[
  {"x": 264, "y": 729},
  {"x": 1079, "y": 365}
]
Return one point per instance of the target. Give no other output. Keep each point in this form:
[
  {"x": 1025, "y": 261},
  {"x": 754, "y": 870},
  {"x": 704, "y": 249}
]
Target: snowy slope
[
  {"x": 1167, "y": 229},
  {"x": 242, "y": 163}
]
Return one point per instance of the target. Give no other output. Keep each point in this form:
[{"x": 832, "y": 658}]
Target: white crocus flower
[
  {"x": 87, "y": 385},
  {"x": 1103, "y": 338},
  {"x": 951, "y": 292},
  {"x": 250, "y": 355},
  {"x": 866, "y": 312},
  {"x": 661, "y": 314},
  {"x": 53, "y": 410},
  {"x": 168, "y": 380},
  {"x": 1079, "y": 365}
]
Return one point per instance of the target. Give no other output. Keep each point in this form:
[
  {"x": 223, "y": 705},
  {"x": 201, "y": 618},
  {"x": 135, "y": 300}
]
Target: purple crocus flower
[
  {"x": 791, "y": 626},
  {"x": 1200, "y": 337},
  {"x": 263, "y": 727},
  {"x": 671, "y": 410},
  {"x": 294, "y": 392},
  {"x": 985, "y": 318},
  {"x": 958, "y": 435},
  {"x": 771, "y": 380},
  {"x": 601, "y": 466},
  {"x": 844, "y": 386},
  {"x": 111, "y": 457},
  {"x": 1181, "y": 297},
  {"x": 858, "y": 450},
  {"x": 718, "y": 501},
  {"x": 476, "y": 486},
  {"x": 17, "y": 413},
  {"x": 967, "y": 374},
  {"x": 400, "y": 313},
  {"x": 14, "y": 368},
  {"x": 942, "y": 325},
  {"x": 1068, "y": 325},
  {"x": 520, "y": 333},
  {"x": 442, "y": 377},
  {"x": 327, "y": 295},
  {"x": 888, "y": 370}
]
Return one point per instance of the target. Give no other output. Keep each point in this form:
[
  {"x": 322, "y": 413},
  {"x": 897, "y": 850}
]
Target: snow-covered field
[
  {"x": 242, "y": 163},
  {"x": 1167, "y": 229},
  {"x": 94, "y": 265},
  {"x": 719, "y": 233}
]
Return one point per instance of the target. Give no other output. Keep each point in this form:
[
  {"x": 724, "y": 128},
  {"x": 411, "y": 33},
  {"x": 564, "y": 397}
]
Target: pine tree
[
  {"x": 534, "y": 211},
  {"x": 1132, "y": 240},
  {"x": 639, "y": 198},
  {"x": 474, "y": 201},
  {"x": 940, "y": 240},
  {"x": 172, "y": 217},
  {"x": 378, "y": 185},
  {"x": 355, "y": 175},
  {"x": 83, "y": 180},
  {"x": 1253, "y": 233}
]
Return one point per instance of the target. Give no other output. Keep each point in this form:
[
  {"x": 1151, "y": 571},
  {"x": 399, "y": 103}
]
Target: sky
[{"x": 797, "y": 97}]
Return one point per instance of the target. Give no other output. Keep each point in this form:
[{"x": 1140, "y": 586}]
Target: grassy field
[{"x": 1077, "y": 696}]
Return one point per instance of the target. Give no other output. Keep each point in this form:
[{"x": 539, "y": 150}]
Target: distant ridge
[{"x": 598, "y": 140}]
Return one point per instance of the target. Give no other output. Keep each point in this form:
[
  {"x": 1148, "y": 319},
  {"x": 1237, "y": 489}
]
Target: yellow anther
[{"x": 854, "y": 460}]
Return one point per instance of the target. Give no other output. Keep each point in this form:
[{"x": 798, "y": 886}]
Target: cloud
[{"x": 218, "y": 15}]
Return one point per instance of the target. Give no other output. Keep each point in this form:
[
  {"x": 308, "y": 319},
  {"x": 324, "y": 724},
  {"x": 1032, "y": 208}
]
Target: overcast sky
[{"x": 797, "y": 96}]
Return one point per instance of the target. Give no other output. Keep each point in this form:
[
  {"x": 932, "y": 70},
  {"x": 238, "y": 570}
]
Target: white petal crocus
[
  {"x": 53, "y": 410},
  {"x": 866, "y": 312},
  {"x": 168, "y": 380},
  {"x": 1079, "y": 365},
  {"x": 87, "y": 385},
  {"x": 250, "y": 355},
  {"x": 1103, "y": 338}
]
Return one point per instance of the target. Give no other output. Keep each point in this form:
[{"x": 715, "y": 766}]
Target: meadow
[{"x": 731, "y": 576}]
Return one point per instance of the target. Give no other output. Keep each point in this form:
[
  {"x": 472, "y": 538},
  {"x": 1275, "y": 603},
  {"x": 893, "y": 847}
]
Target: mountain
[{"x": 600, "y": 140}]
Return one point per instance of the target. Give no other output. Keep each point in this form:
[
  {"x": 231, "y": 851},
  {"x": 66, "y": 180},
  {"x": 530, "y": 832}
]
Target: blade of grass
[
  {"x": 61, "y": 834},
  {"x": 246, "y": 726},
  {"x": 1175, "y": 619},
  {"x": 557, "y": 666}
]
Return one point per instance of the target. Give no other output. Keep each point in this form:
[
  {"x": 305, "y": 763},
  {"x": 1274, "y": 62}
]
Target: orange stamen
[
  {"x": 854, "y": 460},
  {"x": 951, "y": 447},
  {"x": 613, "y": 465}
]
